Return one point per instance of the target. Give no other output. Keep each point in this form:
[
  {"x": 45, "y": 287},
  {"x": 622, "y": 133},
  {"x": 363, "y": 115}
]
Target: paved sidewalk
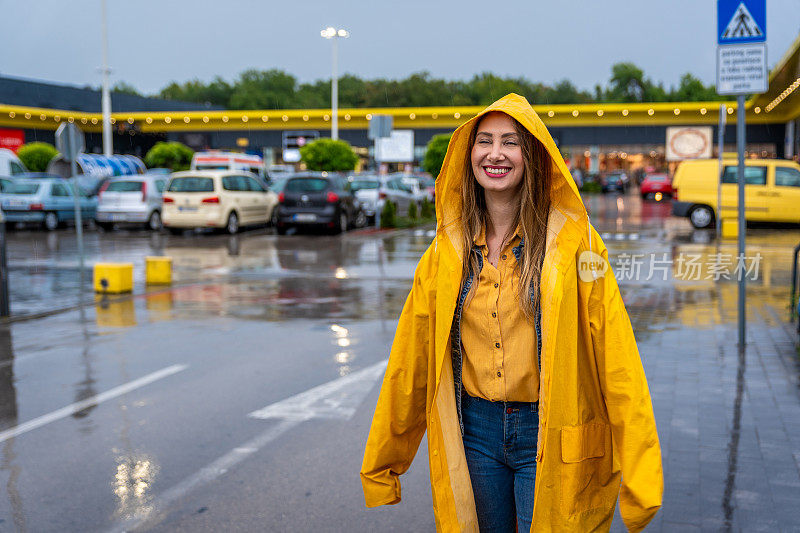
[{"x": 729, "y": 425}]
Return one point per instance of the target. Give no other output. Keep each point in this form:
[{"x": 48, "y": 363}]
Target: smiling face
[{"x": 496, "y": 156}]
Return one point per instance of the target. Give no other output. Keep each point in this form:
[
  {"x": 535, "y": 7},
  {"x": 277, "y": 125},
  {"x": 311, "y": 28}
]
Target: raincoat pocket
[{"x": 586, "y": 470}]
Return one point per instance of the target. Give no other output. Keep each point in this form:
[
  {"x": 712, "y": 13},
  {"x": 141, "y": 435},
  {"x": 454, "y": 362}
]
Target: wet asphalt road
[{"x": 134, "y": 413}]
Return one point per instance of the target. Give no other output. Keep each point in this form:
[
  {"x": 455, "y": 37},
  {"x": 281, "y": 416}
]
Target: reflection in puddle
[{"x": 132, "y": 485}]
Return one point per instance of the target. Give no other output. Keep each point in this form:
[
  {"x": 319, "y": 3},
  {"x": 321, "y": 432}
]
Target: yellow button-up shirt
[{"x": 499, "y": 342}]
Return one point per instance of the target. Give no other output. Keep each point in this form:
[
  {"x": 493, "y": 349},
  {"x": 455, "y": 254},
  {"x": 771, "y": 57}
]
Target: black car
[
  {"x": 318, "y": 200},
  {"x": 615, "y": 181}
]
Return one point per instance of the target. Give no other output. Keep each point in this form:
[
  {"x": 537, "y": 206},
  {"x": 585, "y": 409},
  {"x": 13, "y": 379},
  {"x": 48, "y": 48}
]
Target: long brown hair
[{"x": 531, "y": 216}]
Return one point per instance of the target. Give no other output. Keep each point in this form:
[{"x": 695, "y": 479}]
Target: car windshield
[
  {"x": 211, "y": 167},
  {"x": 614, "y": 177},
  {"x": 657, "y": 177},
  {"x": 22, "y": 188},
  {"x": 191, "y": 185},
  {"x": 124, "y": 186},
  {"x": 306, "y": 185},
  {"x": 357, "y": 185},
  {"x": 278, "y": 184}
]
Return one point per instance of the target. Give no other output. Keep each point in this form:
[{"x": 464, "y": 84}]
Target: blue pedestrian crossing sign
[{"x": 741, "y": 21}]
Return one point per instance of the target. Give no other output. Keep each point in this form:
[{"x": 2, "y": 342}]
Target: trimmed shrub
[
  {"x": 36, "y": 156},
  {"x": 434, "y": 154},
  {"x": 389, "y": 215},
  {"x": 327, "y": 154},
  {"x": 427, "y": 210},
  {"x": 412, "y": 210},
  {"x": 172, "y": 155}
]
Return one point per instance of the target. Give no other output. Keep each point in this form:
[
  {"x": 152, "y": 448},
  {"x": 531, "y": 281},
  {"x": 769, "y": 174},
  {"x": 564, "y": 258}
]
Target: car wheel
[
  {"x": 701, "y": 216},
  {"x": 273, "y": 219},
  {"x": 51, "y": 221},
  {"x": 644, "y": 196},
  {"x": 105, "y": 226},
  {"x": 341, "y": 227},
  {"x": 281, "y": 230},
  {"x": 154, "y": 222},
  {"x": 361, "y": 219},
  {"x": 232, "y": 227}
]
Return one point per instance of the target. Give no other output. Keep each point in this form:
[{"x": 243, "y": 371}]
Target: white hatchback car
[
  {"x": 131, "y": 200},
  {"x": 227, "y": 199}
]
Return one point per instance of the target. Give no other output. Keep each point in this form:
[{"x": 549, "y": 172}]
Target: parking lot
[{"x": 177, "y": 408}]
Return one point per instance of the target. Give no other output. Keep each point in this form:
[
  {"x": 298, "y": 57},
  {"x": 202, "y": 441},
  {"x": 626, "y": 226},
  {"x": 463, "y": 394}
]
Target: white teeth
[{"x": 496, "y": 170}]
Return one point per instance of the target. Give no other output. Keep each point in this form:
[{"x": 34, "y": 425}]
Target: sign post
[
  {"x": 720, "y": 141},
  {"x": 70, "y": 142},
  {"x": 741, "y": 70}
]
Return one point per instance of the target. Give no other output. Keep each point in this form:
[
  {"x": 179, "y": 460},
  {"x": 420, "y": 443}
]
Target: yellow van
[
  {"x": 771, "y": 191},
  {"x": 225, "y": 199}
]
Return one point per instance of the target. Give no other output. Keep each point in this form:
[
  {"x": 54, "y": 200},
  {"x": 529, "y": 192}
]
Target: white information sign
[
  {"x": 742, "y": 68},
  {"x": 688, "y": 143},
  {"x": 398, "y": 148}
]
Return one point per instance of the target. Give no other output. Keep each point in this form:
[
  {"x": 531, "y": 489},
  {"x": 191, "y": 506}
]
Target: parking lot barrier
[
  {"x": 158, "y": 270},
  {"x": 113, "y": 277}
]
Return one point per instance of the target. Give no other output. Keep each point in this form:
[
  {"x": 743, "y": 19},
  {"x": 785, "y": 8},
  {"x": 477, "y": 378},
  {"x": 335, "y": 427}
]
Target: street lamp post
[
  {"x": 335, "y": 34},
  {"x": 108, "y": 147}
]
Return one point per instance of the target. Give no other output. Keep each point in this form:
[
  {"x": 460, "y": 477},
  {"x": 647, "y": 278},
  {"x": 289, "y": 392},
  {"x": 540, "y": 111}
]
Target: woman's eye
[
  {"x": 511, "y": 143},
  {"x": 484, "y": 141}
]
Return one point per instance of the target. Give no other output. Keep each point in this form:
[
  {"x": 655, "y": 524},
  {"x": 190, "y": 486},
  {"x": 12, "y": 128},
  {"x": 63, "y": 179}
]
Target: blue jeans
[{"x": 500, "y": 444}]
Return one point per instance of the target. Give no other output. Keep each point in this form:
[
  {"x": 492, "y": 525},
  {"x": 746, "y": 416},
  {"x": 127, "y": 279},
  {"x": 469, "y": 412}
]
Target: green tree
[
  {"x": 692, "y": 89},
  {"x": 264, "y": 89},
  {"x": 327, "y": 154},
  {"x": 36, "y": 156},
  {"x": 172, "y": 155},
  {"x": 125, "y": 88},
  {"x": 435, "y": 152},
  {"x": 217, "y": 92},
  {"x": 627, "y": 83}
]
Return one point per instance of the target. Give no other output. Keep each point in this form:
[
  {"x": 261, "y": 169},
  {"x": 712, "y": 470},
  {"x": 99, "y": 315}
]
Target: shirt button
[
  {"x": 497, "y": 345},
  {"x": 504, "y": 257},
  {"x": 435, "y": 452},
  {"x": 496, "y": 285},
  {"x": 494, "y": 315},
  {"x": 498, "y": 374}
]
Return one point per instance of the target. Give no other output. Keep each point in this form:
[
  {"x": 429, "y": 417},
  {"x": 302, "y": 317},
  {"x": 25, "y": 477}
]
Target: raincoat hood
[{"x": 564, "y": 193}]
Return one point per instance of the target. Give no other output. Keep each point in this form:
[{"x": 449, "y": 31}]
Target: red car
[{"x": 655, "y": 183}]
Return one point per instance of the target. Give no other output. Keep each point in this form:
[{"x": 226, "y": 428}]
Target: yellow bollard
[
  {"x": 158, "y": 270},
  {"x": 113, "y": 277},
  {"x": 730, "y": 228}
]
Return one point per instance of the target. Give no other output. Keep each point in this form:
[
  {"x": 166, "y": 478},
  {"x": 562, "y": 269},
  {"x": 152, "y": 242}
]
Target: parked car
[
  {"x": 614, "y": 181},
  {"x": 655, "y": 183},
  {"x": 318, "y": 200},
  {"x": 421, "y": 186},
  {"x": 365, "y": 187},
  {"x": 772, "y": 191},
  {"x": 48, "y": 202},
  {"x": 131, "y": 200},
  {"x": 10, "y": 164},
  {"x": 394, "y": 189},
  {"x": 226, "y": 199}
]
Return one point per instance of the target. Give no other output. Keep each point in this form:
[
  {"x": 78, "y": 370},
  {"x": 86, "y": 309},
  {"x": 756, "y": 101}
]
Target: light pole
[
  {"x": 335, "y": 34},
  {"x": 108, "y": 147}
]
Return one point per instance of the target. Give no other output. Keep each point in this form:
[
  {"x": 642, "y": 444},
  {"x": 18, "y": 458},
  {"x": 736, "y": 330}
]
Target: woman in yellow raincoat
[{"x": 567, "y": 348}]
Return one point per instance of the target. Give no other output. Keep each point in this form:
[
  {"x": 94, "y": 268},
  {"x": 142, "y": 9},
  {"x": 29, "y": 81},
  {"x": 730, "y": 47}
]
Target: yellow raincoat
[{"x": 597, "y": 433}]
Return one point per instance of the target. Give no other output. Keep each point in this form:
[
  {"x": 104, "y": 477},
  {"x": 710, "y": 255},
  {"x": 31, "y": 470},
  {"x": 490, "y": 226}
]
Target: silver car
[{"x": 131, "y": 200}]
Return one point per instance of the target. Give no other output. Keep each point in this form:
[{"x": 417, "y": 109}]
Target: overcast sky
[{"x": 154, "y": 42}]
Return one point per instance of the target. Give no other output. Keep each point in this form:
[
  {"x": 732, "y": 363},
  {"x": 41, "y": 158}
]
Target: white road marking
[
  {"x": 89, "y": 402},
  {"x": 335, "y": 399}
]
